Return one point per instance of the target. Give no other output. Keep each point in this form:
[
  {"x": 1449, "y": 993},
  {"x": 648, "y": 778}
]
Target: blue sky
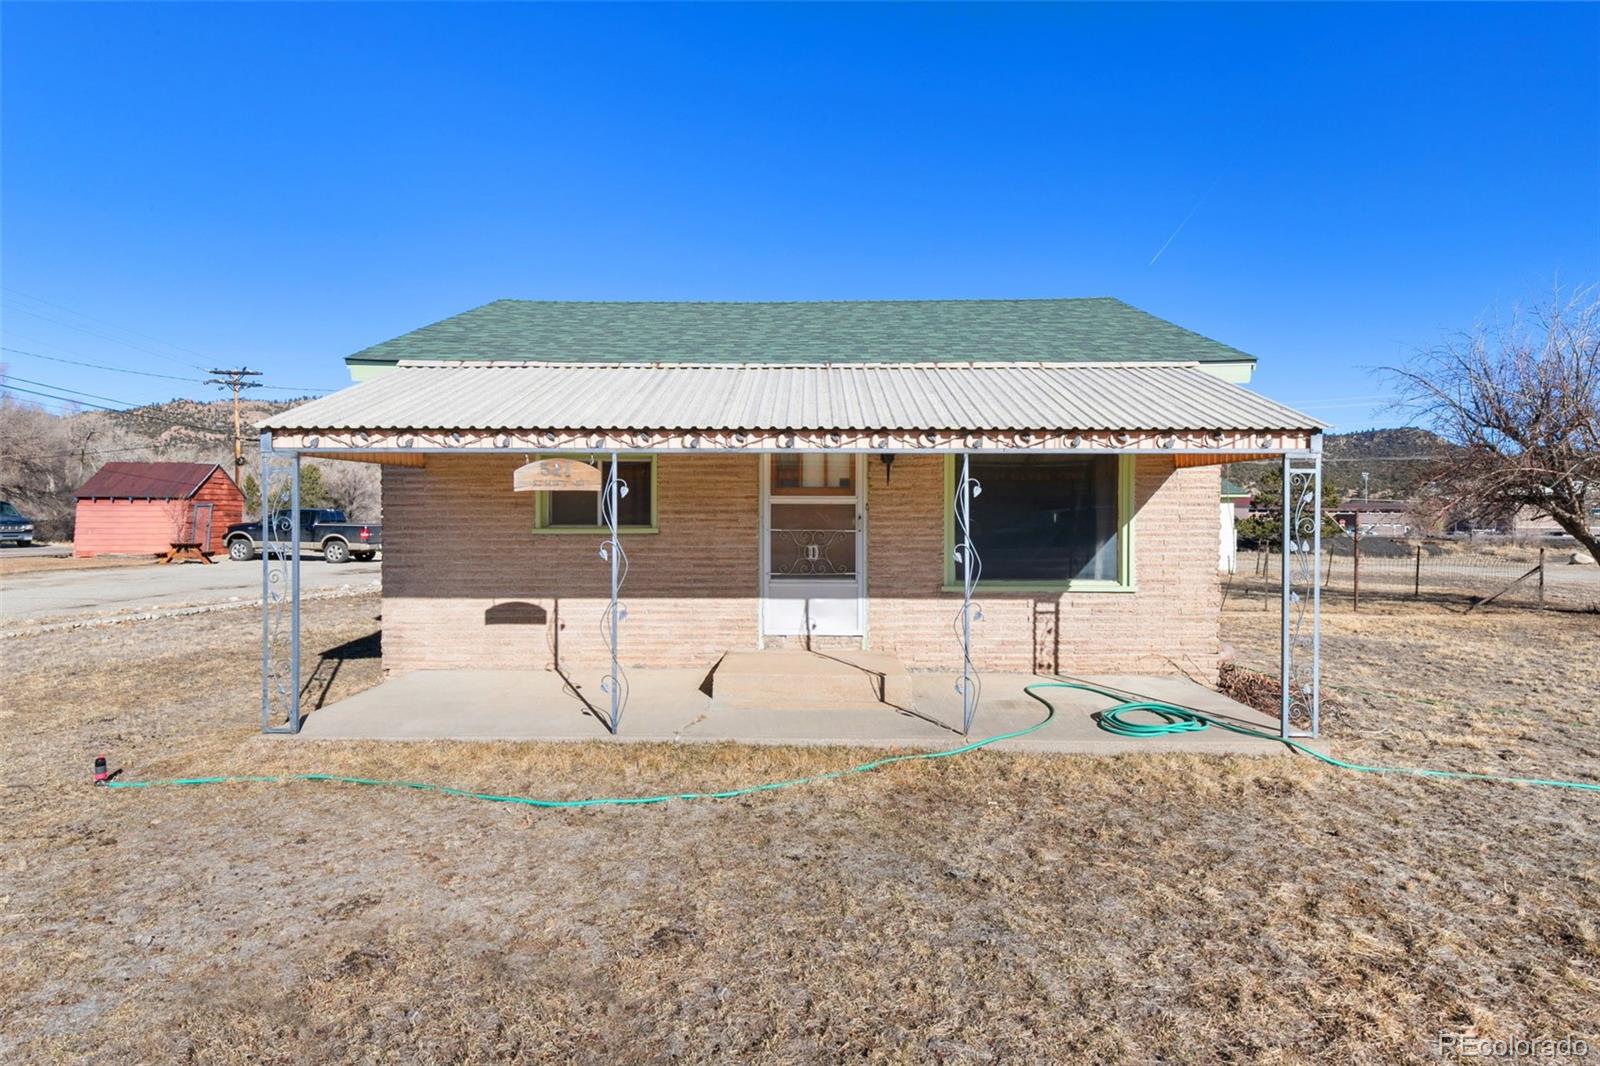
[{"x": 280, "y": 185}]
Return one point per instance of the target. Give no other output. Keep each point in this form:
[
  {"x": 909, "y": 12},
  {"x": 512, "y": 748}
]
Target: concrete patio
[{"x": 678, "y": 706}]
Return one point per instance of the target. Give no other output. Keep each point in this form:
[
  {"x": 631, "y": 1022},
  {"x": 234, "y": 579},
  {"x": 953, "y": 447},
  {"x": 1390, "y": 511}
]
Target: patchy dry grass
[{"x": 994, "y": 907}]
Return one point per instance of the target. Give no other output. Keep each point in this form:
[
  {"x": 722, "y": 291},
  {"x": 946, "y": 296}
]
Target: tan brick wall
[
  {"x": 466, "y": 584},
  {"x": 1170, "y": 625},
  {"x": 458, "y": 542}
]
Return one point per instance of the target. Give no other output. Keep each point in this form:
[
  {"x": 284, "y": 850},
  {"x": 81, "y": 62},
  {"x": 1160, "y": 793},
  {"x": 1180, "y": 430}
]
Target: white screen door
[{"x": 813, "y": 554}]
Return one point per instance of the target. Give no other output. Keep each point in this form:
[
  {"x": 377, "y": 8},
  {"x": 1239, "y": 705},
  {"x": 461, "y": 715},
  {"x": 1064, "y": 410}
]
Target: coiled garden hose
[
  {"x": 1173, "y": 720},
  {"x": 1183, "y": 720}
]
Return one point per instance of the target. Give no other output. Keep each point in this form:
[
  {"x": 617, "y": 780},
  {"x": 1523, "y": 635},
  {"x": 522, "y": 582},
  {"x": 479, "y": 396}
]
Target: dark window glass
[
  {"x": 1044, "y": 518},
  {"x": 583, "y": 508}
]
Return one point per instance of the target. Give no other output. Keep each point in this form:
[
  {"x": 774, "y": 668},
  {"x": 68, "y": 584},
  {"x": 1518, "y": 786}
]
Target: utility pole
[{"x": 235, "y": 380}]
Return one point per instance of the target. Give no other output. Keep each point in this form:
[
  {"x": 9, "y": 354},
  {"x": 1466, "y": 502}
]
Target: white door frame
[{"x": 764, "y": 504}]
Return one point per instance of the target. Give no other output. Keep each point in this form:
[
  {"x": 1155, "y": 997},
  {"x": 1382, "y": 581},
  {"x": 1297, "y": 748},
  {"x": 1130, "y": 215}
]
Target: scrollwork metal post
[
  {"x": 1285, "y": 653},
  {"x": 614, "y": 684},
  {"x": 971, "y": 567},
  {"x": 1302, "y": 550},
  {"x": 280, "y": 591}
]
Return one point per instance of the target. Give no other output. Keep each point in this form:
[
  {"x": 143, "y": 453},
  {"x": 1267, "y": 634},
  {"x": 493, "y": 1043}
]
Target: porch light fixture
[{"x": 888, "y": 465}]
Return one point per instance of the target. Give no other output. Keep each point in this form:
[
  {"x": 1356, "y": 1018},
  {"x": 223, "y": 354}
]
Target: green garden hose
[
  {"x": 1183, "y": 720},
  {"x": 608, "y": 801},
  {"x": 1173, "y": 720}
]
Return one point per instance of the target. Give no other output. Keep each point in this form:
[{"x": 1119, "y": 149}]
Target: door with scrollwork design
[{"x": 812, "y": 557}]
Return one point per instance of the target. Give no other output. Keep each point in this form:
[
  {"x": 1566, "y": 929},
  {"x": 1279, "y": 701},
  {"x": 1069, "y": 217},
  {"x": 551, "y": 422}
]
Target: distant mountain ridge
[
  {"x": 1396, "y": 463},
  {"x": 195, "y": 425},
  {"x": 1401, "y": 441}
]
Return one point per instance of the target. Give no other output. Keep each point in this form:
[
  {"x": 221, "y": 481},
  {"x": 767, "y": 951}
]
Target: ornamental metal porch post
[
  {"x": 1301, "y": 542},
  {"x": 611, "y": 551},
  {"x": 280, "y": 592},
  {"x": 1316, "y": 597},
  {"x": 968, "y": 558},
  {"x": 1286, "y": 545}
]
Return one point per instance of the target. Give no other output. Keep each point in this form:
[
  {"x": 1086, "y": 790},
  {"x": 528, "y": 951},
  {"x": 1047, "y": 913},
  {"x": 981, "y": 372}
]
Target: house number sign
[{"x": 556, "y": 475}]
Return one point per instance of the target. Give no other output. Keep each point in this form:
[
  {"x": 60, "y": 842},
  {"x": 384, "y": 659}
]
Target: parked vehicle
[
  {"x": 15, "y": 527},
  {"x": 322, "y": 529}
]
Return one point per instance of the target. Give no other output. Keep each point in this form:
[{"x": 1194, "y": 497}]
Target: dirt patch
[
  {"x": 989, "y": 908},
  {"x": 32, "y": 564}
]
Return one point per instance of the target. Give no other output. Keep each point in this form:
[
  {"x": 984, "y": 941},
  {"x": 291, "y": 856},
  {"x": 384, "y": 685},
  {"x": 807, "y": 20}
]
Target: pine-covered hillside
[
  {"x": 1396, "y": 462},
  {"x": 46, "y": 455}
]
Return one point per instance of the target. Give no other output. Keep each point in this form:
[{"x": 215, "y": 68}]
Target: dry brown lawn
[
  {"x": 31, "y": 564},
  {"x": 987, "y": 908}
]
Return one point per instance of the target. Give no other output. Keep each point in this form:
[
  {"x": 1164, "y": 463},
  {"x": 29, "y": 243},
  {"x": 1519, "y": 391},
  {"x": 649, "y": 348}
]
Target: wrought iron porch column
[
  {"x": 280, "y": 592},
  {"x": 1316, "y": 597},
  {"x": 1285, "y": 654},
  {"x": 611, "y": 551},
  {"x": 1301, "y": 543},
  {"x": 966, "y": 489}
]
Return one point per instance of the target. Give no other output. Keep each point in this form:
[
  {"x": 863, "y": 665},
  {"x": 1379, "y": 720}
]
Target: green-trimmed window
[
  {"x": 579, "y": 512},
  {"x": 1047, "y": 522}
]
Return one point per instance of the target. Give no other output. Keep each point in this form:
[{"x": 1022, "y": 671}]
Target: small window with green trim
[
  {"x": 580, "y": 512},
  {"x": 1047, "y": 522}
]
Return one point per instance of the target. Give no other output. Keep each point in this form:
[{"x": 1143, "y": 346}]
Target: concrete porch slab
[
  {"x": 810, "y": 680},
  {"x": 671, "y": 706}
]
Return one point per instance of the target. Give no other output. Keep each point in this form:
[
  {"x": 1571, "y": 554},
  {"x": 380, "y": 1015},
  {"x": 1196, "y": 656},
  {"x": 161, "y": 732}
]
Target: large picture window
[
  {"x": 1047, "y": 521},
  {"x": 579, "y": 512}
]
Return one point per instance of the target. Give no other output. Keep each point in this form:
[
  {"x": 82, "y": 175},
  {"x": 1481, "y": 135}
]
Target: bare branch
[{"x": 1518, "y": 404}]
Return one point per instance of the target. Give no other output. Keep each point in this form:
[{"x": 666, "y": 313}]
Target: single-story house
[
  {"x": 1377, "y": 518},
  {"x": 145, "y": 508},
  {"x": 827, "y": 475},
  {"x": 1234, "y": 504}
]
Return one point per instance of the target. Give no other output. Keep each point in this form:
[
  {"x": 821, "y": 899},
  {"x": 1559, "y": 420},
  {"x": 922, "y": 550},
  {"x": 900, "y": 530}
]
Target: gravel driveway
[{"x": 87, "y": 593}]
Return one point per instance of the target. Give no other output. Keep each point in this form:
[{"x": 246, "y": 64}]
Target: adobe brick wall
[{"x": 466, "y": 584}]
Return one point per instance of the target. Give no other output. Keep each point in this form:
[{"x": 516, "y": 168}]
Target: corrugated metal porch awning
[{"x": 1049, "y": 398}]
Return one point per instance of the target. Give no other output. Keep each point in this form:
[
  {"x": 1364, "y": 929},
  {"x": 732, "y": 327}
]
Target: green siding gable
[{"x": 1098, "y": 329}]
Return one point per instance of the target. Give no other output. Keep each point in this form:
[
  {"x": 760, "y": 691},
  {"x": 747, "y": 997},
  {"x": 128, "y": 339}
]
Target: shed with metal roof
[{"x": 131, "y": 508}]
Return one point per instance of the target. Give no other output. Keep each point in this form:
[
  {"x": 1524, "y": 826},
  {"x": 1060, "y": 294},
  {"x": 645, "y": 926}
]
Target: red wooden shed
[{"x": 143, "y": 508}]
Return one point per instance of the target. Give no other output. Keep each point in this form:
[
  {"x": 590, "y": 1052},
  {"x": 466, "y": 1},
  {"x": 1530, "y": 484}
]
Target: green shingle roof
[{"x": 1098, "y": 329}]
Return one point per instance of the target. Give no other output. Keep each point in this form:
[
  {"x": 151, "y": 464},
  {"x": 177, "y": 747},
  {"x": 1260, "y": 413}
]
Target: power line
[
  {"x": 118, "y": 340},
  {"x": 299, "y": 389},
  {"x": 115, "y": 410},
  {"x": 99, "y": 366},
  {"x": 63, "y": 388},
  {"x": 102, "y": 335},
  {"x": 1361, "y": 459},
  {"x": 148, "y": 373},
  {"x": 103, "y": 322},
  {"x": 99, "y": 451}
]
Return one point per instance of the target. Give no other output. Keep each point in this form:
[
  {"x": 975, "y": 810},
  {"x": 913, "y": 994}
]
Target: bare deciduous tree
[
  {"x": 354, "y": 488},
  {"x": 1519, "y": 406},
  {"x": 44, "y": 457}
]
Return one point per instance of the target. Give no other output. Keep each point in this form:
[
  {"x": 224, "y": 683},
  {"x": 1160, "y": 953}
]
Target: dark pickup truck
[
  {"x": 326, "y": 530},
  {"x": 15, "y": 527}
]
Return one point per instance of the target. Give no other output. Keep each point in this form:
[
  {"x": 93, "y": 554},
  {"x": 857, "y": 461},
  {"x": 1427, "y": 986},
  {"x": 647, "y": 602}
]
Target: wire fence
[{"x": 1506, "y": 574}]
